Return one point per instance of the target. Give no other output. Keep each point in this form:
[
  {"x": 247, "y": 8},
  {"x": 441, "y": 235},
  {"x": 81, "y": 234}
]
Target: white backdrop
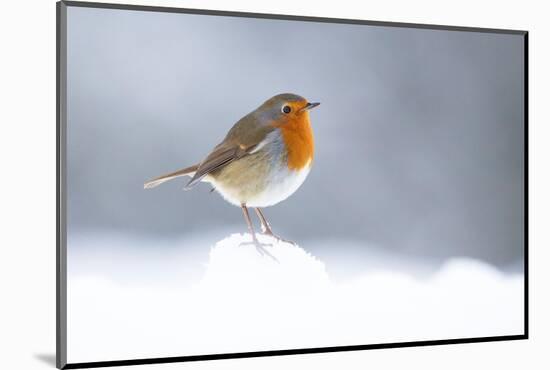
[{"x": 27, "y": 199}]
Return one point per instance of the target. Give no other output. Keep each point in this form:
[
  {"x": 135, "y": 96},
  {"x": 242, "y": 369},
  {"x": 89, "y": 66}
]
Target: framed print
[{"x": 236, "y": 184}]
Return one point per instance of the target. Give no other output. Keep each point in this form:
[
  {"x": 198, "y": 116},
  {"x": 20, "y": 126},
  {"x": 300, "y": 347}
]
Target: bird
[{"x": 263, "y": 159}]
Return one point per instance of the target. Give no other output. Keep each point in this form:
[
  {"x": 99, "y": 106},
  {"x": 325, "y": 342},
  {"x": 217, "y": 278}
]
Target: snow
[{"x": 241, "y": 301}]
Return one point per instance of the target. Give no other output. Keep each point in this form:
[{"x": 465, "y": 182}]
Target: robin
[{"x": 263, "y": 159}]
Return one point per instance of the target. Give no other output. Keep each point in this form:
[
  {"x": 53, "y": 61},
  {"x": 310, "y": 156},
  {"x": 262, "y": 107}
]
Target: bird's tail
[{"x": 189, "y": 171}]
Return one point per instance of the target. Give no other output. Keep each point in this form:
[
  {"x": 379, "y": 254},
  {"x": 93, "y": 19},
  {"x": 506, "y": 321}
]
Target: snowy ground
[{"x": 137, "y": 303}]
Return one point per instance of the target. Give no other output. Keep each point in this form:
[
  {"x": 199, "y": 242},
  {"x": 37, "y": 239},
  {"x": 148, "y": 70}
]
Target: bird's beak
[{"x": 309, "y": 106}]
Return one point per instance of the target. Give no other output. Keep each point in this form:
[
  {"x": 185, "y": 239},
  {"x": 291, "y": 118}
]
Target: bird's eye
[{"x": 286, "y": 109}]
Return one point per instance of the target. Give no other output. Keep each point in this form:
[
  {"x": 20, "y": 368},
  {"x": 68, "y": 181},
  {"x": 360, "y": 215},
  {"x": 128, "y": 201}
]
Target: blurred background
[
  {"x": 410, "y": 224},
  {"x": 419, "y": 137}
]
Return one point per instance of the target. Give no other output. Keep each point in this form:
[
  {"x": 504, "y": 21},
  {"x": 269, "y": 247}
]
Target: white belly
[{"x": 282, "y": 185}]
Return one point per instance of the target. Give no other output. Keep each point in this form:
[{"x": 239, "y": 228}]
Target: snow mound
[
  {"x": 236, "y": 267},
  {"x": 242, "y": 301}
]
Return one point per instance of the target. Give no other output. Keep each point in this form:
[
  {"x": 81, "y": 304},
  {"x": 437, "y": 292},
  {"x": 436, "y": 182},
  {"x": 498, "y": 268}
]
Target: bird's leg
[
  {"x": 259, "y": 246},
  {"x": 266, "y": 227}
]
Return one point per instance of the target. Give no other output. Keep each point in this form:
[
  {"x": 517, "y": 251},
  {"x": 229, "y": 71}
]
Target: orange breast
[{"x": 298, "y": 137}]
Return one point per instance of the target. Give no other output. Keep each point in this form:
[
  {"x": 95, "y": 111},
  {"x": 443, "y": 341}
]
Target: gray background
[{"x": 419, "y": 137}]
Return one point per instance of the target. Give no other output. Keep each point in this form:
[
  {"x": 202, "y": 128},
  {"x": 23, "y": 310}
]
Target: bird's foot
[
  {"x": 260, "y": 247},
  {"x": 278, "y": 238}
]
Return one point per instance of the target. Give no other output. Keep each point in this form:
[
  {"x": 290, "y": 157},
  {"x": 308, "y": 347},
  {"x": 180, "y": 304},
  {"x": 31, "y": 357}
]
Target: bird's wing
[
  {"x": 221, "y": 156},
  {"x": 243, "y": 138}
]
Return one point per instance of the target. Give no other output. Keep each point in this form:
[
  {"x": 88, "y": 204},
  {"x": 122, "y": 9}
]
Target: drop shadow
[{"x": 47, "y": 358}]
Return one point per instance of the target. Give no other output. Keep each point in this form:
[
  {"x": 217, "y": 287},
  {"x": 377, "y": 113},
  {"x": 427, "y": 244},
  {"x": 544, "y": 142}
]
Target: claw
[
  {"x": 260, "y": 247},
  {"x": 266, "y": 228},
  {"x": 278, "y": 238}
]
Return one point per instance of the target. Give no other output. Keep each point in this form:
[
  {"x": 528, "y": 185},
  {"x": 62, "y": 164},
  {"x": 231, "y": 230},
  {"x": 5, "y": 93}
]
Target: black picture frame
[{"x": 61, "y": 242}]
